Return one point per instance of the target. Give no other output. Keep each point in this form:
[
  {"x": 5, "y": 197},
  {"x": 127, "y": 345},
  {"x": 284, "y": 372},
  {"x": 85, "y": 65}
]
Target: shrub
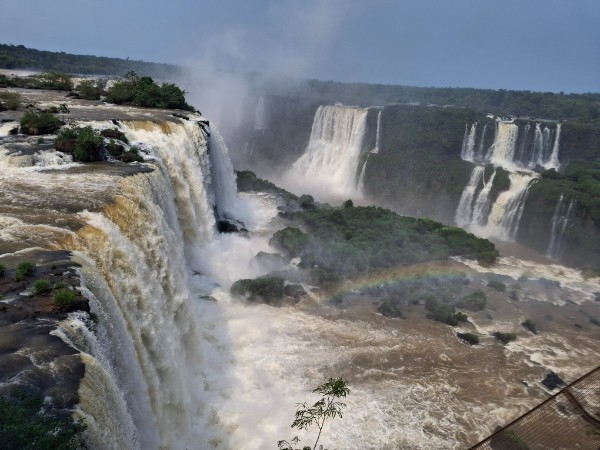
[
  {"x": 10, "y": 100},
  {"x": 90, "y": 89},
  {"x": 469, "y": 338},
  {"x": 41, "y": 286},
  {"x": 35, "y": 123},
  {"x": 440, "y": 312},
  {"x": 499, "y": 286},
  {"x": 63, "y": 298},
  {"x": 473, "y": 302},
  {"x": 27, "y": 423},
  {"x": 528, "y": 324},
  {"x": 307, "y": 201},
  {"x": 267, "y": 289},
  {"x": 461, "y": 317},
  {"x": 290, "y": 240},
  {"x": 505, "y": 338},
  {"x": 348, "y": 203},
  {"x": 85, "y": 143},
  {"x": 24, "y": 270},
  {"x": 2, "y": 270}
]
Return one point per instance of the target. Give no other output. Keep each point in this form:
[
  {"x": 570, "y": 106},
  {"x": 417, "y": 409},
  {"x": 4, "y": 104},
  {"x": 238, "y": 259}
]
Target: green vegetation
[
  {"x": 48, "y": 80},
  {"x": 91, "y": 89},
  {"x": 442, "y": 312},
  {"x": 328, "y": 406},
  {"x": 24, "y": 270},
  {"x": 497, "y": 285},
  {"x": 529, "y": 325},
  {"x": 85, "y": 143},
  {"x": 469, "y": 338},
  {"x": 143, "y": 91},
  {"x": 473, "y": 302},
  {"x": 27, "y": 424},
  {"x": 355, "y": 241},
  {"x": 64, "y": 298},
  {"x": 2, "y": 270},
  {"x": 290, "y": 240},
  {"x": 10, "y": 100},
  {"x": 505, "y": 338},
  {"x": 20, "y": 57},
  {"x": 247, "y": 181},
  {"x": 266, "y": 289},
  {"x": 41, "y": 286},
  {"x": 35, "y": 123}
]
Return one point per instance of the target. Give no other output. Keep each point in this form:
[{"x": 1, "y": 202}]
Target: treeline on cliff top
[
  {"x": 548, "y": 105},
  {"x": 21, "y": 57}
]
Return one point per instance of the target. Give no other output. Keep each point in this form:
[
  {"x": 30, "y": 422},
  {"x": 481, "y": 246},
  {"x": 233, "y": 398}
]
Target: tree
[{"x": 327, "y": 407}]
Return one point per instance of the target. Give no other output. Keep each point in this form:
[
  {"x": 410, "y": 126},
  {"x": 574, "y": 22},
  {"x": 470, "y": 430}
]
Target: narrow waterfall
[
  {"x": 468, "y": 146},
  {"x": 559, "y": 222},
  {"x": 329, "y": 166},
  {"x": 361, "y": 178},
  {"x": 464, "y": 212},
  {"x": 482, "y": 204},
  {"x": 480, "y": 152},
  {"x": 504, "y": 218},
  {"x": 377, "y": 134},
  {"x": 553, "y": 162},
  {"x": 261, "y": 117}
]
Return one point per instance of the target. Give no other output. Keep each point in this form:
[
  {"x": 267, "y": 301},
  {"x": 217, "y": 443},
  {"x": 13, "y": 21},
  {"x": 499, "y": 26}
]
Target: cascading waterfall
[
  {"x": 464, "y": 212},
  {"x": 559, "y": 222},
  {"x": 329, "y": 166},
  {"x": 504, "y": 218},
  {"x": 468, "y": 146},
  {"x": 519, "y": 154},
  {"x": 377, "y": 134}
]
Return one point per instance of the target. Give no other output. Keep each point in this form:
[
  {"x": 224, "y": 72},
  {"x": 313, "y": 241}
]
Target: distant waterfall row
[
  {"x": 330, "y": 165},
  {"x": 513, "y": 147},
  {"x": 516, "y": 149}
]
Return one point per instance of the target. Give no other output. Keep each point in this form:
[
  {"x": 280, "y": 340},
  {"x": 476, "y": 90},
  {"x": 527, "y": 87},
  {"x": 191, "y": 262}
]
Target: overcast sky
[{"x": 541, "y": 45}]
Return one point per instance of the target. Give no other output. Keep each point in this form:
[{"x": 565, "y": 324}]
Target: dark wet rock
[
  {"x": 230, "y": 226},
  {"x": 269, "y": 261},
  {"x": 553, "y": 381},
  {"x": 295, "y": 291},
  {"x": 268, "y": 290},
  {"x": 66, "y": 145},
  {"x": 112, "y": 134}
]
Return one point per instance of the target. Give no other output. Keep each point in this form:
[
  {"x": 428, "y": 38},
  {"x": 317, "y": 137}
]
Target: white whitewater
[
  {"x": 464, "y": 212},
  {"x": 520, "y": 156},
  {"x": 468, "y": 146},
  {"x": 377, "y": 133},
  {"x": 504, "y": 218},
  {"x": 559, "y": 222},
  {"x": 329, "y": 166}
]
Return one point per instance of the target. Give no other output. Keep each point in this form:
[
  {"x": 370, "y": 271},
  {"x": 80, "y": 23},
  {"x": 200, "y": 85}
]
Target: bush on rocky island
[
  {"x": 36, "y": 123},
  {"x": 505, "y": 338},
  {"x": 85, "y": 143},
  {"x": 268, "y": 289},
  {"x": 473, "y": 302},
  {"x": 469, "y": 338},
  {"x": 24, "y": 270}
]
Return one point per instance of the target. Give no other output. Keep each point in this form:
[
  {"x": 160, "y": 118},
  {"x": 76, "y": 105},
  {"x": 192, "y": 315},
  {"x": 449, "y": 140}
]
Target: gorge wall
[{"x": 458, "y": 165}]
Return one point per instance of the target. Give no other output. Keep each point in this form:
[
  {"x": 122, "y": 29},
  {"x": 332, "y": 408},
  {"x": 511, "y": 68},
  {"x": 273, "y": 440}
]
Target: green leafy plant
[
  {"x": 63, "y": 298},
  {"x": 530, "y": 325},
  {"x": 327, "y": 407},
  {"x": 470, "y": 338},
  {"x": 24, "y": 270},
  {"x": 41, "y": 286},
  {"x": 505, "y": 338},
  {"x": 35, "y": 123}
]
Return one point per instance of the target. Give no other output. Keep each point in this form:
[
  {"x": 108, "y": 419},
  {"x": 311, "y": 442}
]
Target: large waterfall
[
  {"x": 519, "y": 151},
  {"x": 329, "y": 168}
]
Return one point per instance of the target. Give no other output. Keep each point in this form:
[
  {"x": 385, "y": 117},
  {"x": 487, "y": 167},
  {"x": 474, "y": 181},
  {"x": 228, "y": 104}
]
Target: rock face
[
  {"x": 553, "y": 381},
  {"x": 31, "y": 358},
  {"x": 269, "y": 261}
]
